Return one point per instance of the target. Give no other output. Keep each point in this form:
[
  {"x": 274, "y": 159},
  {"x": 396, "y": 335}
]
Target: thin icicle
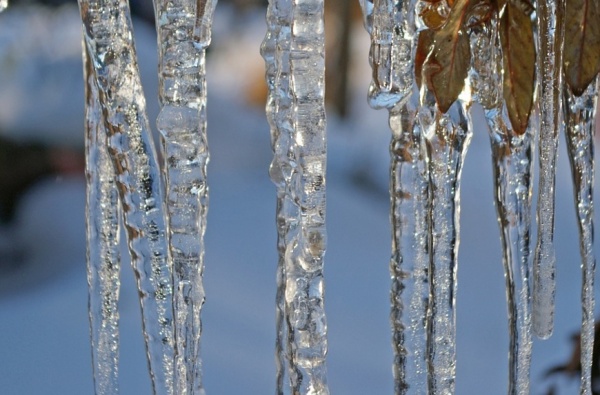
[
  {"x": 447, "y": 137},
  {"x": 580, "y": 126},
  {"x": 409, "y": 264},
  {"x": 103, "y": 257},
  {"x": 184, "y": 28},
  {"x": 108, "y": 38},
  {"x": 392, "y": 28},
  {"x": 512, "y": 165},
  {"x": 550, "y": 24},
  {"x": 304, "y": 290},
  {"x": 275, "y": 51}
]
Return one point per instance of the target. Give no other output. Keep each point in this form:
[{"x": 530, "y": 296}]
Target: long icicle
[
  {"x": 409, "y": 264},
  {"x": 103, "y": 256},
  {"x": 392, "y": 28},
  {"x": 580, "y": 127},
  {"x": 184, "y": 33},
  {"x": 447, "y": 137},
  {"x": 109, "y": 40},
  {"x": 275, "y": 51},
  {"x": 550, "y": 22},
  {"x": 304, "y": 290},
  {"x": 512, "y": 166}
]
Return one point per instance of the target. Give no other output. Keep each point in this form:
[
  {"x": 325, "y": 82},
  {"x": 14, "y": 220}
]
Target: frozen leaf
[
  {"x": 424, "y": 45},
  {"x": 447, "y": 65},
  {"x": 582, "y": 43},
  {"x": 516, "y": 35}
]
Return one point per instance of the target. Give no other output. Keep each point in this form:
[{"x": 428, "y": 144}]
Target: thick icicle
[
  {"x": 275, "y": 51},
  {"x": 580, "y": 112},
  {"x": 512, "y": 161},
  {"x": 447, "y": 137},
  {"x": 108, "y": 38},
  {"x": 409, "y": 264},
  {"x": 184, "y": 28},
  {"x": 304, "y": 290},
  {"x": 103, "y": 257},
  {"x": 550, "y": 22}
]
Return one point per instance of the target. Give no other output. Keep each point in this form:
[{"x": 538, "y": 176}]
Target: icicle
[
  {"x": 108, "y": 38},
  {"x": 103, "y": 257},
  {"x": 307, "y": 330},
  {"x": 580, "y": 112},
  {"x": 392, "y": 29},
  {"x": 275, "y": 51},
  {"x": 409, "y": 264},
  {"x": 550, "y": 22},
  {"x": 512, "y": 161},
  {"x": 183, "y": 28},
  {"x": 447, "y": 137},
  {"x": 3, "y": 5}
]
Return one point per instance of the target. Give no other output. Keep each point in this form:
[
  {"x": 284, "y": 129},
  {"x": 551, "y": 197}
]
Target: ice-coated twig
[
  {"x": 409, "y": 264},
  {"x": 580, "y": 126},
  {"x": 103, "y": 257},
  {"x": 512, "y": 166},
  {"x": 109, "y": 39},
  {"x": 184, "y": 28},
  {"x": 304, "y": 290},
  {"x": 550, "y": 24},
  {"x": 447, "y": 137},
  {"x": 275, "y": 51}
]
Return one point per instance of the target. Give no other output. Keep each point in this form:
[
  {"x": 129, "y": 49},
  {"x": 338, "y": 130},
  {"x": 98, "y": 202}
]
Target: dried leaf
[
  {"x": 518, "y": 55},
  {"x": 424, "y": 44},
  {"x": 447, "y": 65},
  {"x": 582, "y": 43}
]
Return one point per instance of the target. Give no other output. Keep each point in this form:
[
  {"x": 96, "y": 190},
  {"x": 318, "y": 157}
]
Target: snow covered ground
[{"x": 44, "y": 345}]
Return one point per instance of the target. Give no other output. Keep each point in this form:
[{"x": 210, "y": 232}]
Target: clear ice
[
  {"x": 409, "y": 263},
  {"x": 184, "y": 28},
  {"x": 294, "y": 53},
  {"x": 275, "y": 50},
  {"x": 391, "y": 25},
  {"x": 512, "y": 166},
  {"x": 550, "y": 25},
  {"x": 108, "y": 38},
  {"x": 103, "y": 256},
  {"x": 579, "y": 131},
  {"x": 447, "y": 136}
]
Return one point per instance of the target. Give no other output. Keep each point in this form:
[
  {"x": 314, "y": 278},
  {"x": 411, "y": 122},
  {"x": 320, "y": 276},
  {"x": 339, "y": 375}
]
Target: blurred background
[{"x": 44, "y": 336}]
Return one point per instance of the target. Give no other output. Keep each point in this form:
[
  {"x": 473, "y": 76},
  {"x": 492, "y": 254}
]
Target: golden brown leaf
[
  {"x": 424, "y": 44},
  {"x": 581, "y": 56},
  {"x": 431, "y": 16},
  {"x": 447, "y": 65},
  {"x": 518, "y": 55}
]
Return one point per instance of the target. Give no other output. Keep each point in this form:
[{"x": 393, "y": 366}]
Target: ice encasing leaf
[
  {"x": 518, "y": 56},
  {"x": 581, "y": 55}
]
